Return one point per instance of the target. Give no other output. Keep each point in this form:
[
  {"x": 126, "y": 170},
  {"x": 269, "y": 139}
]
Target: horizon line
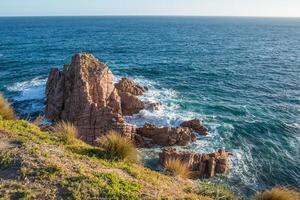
[{"x": 132, "y": 15}]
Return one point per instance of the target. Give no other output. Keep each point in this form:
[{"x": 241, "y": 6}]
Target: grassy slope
[{"x": 37, "y": 165}]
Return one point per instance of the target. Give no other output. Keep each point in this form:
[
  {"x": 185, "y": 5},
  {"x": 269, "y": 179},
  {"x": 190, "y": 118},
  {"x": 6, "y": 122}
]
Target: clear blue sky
[{"x": 283, "y": 8}]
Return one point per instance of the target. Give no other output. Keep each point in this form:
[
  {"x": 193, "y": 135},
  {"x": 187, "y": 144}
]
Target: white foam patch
[
  {"x": 168, "y": 114},
  {"x": 294, "y": 125},
  {"x": 32, "y": 89}
]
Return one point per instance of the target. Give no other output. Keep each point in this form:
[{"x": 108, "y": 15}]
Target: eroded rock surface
[
  {"x": 83, "y": 93},
  {"x": 130, "y": 104},
  {"x": 195, "y": 125},
  {"x": 128, "y": 90},
  {"x": 201, "y": 165},
  {"x": 165, "y": 136},
  {"x": 127, "y": 85}
]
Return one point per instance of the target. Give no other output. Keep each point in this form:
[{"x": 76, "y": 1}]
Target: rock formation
[
  {"x": 201, "y": 165},
  {"x": 164, "y": 136},
  {"x": 84, "y": 94},
  {"x": 128, "y": 90},
  {"x": 130, "y": 104},
  {"x": 127, "y": 85},
  {"x": 196, "y": 126}
]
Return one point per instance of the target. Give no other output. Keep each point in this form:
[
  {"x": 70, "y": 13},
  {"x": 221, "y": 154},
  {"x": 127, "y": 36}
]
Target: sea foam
[{"x": 28, "y": 90}]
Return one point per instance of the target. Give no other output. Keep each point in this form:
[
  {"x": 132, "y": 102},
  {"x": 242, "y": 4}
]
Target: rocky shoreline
[{"x": 84, "y": 94}]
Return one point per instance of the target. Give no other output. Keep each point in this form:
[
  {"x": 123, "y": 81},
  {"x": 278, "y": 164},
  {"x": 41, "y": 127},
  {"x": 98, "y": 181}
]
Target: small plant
[
  {"x": 117, "y": 147},
  {"x": 215, "y": 191},
  {"x": 67, "y": 132},
  {"x": 119, "y": 188},
  {"x": 176, "y": 167},
  {"x": 15, "y": 189},
  {"x": 278, "y": 193},
  {"x": 6, "y": 159},
  {"x": 6, "y": 111},
  {"x": 48, "y": 172}
]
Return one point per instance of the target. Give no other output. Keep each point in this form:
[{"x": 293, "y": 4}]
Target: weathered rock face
[
  {"x": 201, "y": 165},
  {"x": 84, "y": 94},
  {"x": 128, "y": 90},
  {"x": 130, "y": 104},
  {"x": 165, "y": 136},
  {"x": 196, "y": 126},
  {"x": 127, "y": 85}
]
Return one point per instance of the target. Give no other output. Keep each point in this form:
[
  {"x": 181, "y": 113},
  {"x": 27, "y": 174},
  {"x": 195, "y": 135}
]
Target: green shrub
[
  {"x": 6, "y": 111},
  {"x": 278, "y": 193},
  {"x": 47, "y": 172},
  {"x": 100, "y": 186},
  {"x": 67, "y": 132},
  {"x": 15, "y": 190},
  {"x": 117, "y": 147},
  {"x": 25, "y": 131},
  {"x": 119, "y": 188},
  {"x": 6, "y": 159},
  {"x": 216, "y": 191},
  {"x": 176, "y": 167},
  {"x": 89, "y": 151}
]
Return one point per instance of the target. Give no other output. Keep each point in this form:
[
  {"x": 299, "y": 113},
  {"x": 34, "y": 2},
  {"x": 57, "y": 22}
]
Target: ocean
[{"x": 241, "y": 76}]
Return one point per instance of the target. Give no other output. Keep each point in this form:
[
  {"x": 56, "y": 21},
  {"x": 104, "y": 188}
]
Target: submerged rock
[
  {"x": 83, "y": 93},
  {"x": 195, "y": 125},
  {"x": 201, "y": 165},
  {"x": 166, "y": 136},
  {"x": 127, "y": 85}
]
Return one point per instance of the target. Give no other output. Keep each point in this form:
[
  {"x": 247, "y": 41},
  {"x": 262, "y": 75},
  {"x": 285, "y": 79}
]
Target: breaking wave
[{"x": 29, "y": 90}]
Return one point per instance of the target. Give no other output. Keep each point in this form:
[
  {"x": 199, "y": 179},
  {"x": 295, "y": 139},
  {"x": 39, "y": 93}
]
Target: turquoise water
[{"x": 240, "y": 75}]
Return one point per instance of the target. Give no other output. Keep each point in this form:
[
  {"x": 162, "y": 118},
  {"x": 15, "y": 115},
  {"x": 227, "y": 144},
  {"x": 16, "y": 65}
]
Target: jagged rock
[
  {"x": 128, "y": 90},
  {"x": 130, "y": 104},
  {"x": 143, "y": 142},
  {"x": 127, "y": 85},
  {"x": 201, "y": 165},
  {"x": 195, "y": 125},
  {"x": 166, "y": 135},
  {"x": 83, "y": 93}
]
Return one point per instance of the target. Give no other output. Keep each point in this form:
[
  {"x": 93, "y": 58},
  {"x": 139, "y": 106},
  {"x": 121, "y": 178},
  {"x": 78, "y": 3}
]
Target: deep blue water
[{"x": 240, "y": 75}]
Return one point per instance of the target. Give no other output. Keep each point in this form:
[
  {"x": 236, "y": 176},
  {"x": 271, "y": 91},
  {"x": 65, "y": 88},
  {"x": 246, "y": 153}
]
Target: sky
[{"x": 268, "y": 8}]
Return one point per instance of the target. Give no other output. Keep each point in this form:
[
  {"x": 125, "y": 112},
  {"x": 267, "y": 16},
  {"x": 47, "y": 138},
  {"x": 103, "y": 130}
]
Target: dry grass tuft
[
  {"x": 6, "y": 111},
  {"x": 117, "y": 147},
  {"x": 278, "y": 193},
  {"x": 67, "y": 132},
  {"x": 38, "y": 121},
  {"x": 176, "y": 167}
]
